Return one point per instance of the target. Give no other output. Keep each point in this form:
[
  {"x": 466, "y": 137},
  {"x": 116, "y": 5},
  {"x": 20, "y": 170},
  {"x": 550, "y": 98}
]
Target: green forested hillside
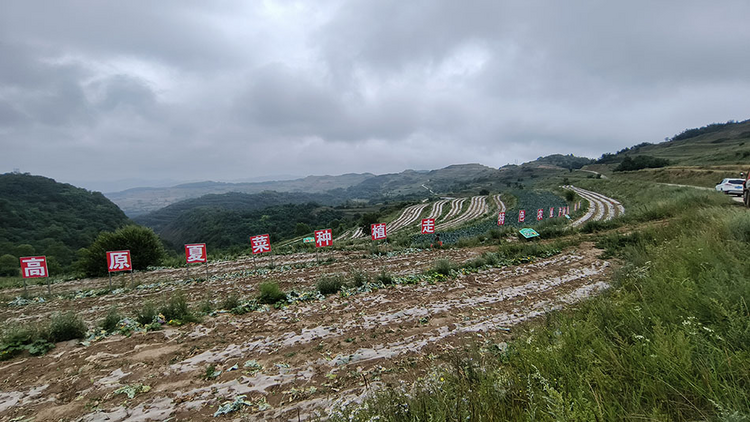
[
  {"x": 39, "y": 216},
  {"x": 224, "y": 228},
  {"x": 234, "y": 201}
]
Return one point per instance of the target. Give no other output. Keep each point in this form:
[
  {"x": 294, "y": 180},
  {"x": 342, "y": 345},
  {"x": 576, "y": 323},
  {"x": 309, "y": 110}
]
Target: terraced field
[
  {"x": 600, "y": 206},
  {"x": 289, "y": 363}
]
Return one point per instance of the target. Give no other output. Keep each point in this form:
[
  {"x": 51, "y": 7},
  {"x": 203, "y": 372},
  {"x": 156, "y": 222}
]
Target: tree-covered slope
[{"x": 40, "y": 216}]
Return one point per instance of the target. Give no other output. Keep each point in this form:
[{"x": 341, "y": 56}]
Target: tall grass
[{"x": 670, "y": 341}]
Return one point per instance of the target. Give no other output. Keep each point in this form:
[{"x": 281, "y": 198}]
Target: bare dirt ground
[{"x": 290, "y": 363}]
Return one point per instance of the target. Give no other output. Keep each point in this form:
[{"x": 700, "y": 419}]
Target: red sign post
[
  {"x": 378, "y": 231},
  {"x": 260, "y": 243},
  {"x": 428, "y": 225},
  {"x": 539, "y": 214},
  {"x": 501, "y": 218},
  {"x": 196, "y": 252},
  {"x": 118, "y": 261},
  {"x": 551, "y": 212},
  {"x": 521, "y": 216},
  {"x": 34, "y": 267},
  {"x": 323, "y": 238}
]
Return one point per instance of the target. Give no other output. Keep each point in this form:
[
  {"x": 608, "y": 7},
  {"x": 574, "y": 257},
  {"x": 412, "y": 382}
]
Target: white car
[{"x": 730, "y": 186}]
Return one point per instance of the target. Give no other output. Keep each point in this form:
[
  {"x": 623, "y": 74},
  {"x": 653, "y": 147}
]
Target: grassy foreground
[{"x": 669, "y": 341}]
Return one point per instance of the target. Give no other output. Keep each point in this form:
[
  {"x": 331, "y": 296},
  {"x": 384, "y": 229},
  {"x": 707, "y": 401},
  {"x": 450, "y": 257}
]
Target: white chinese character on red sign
[
  {"x": 501, "y": 219},
  {"x": 260, "y": 243},
  {"x": 377, "y": 231},
  {"x": 428, "y": 225},
  {"x": 119, "y": 261},
  {"x": 539, "y": 214},
  {"x": 551, "y": 212},
  {"x": 195, "y": 253},
  {"x": 559, "y": 211},
  {"x": 521, "y": 216},
  {"x": 323, "y": 238},
  {"x": 34, "y": 266}
]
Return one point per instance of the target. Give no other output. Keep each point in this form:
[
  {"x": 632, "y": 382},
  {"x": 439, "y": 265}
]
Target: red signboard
[
  {"x": 501, "y": 218},
  {"x": 260, "y": 243},
  {"x": 551, "y": 212},
  {"x": 119, "y": 261},
  {"x": 539, "y": 214},
  {"x": 195, "y": 252},
  {"x": 428, "y": 225},
  {"x": 323, "y": 238},
  {"x": 559, "y": 211},
  {"x": 521, "y": 216},
  {"x": 377, "y": 231},
  {"x": 34, "y": 266}
]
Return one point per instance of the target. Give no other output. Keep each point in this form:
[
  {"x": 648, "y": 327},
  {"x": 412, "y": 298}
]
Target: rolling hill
[
  {"x": 701, "y": 156},
  {"x": 40, "y": 216}
]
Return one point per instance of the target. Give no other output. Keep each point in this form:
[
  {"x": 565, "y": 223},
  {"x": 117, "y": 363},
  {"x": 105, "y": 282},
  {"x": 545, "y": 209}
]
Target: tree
[
  {"x": 9, "y": 266},
  {"x": 302, "y": 229},
  {"x": 144, "y": 245},
  {"x": 367, "y": 220},
  {"x": 484, "y": 192}
]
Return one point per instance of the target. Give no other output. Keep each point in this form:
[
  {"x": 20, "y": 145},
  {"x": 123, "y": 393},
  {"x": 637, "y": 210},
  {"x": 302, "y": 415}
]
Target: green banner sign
[
  {"x": 308, "y": 240},
  {"x": 528, "y": 233}
]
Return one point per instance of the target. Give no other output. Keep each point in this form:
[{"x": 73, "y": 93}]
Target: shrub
[
  {"x": 230, "y": 302},
  {"x": 109, "y": 323},
  {"x": 9, "y": 266},
  {"x": 17, "y": 338},
  {"x": 270, "y": 293},
  {"x": 330, "y": 284},
  {"x": 359, "y": 278},
  {"x": 177, "y": 309},
  {"x": 385, "y": 277},
  {"x": 66, "y": 326},
  {"x": 145, "y": 249},
  {"x": 443, "y": 266},
  {"x": 147, "y": 313},
  {"x": 570, "y": 196},
  {"x": 206, "y": 307}
]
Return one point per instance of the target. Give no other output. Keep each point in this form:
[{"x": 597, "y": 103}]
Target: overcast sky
[{"x": 227, "y": 90}]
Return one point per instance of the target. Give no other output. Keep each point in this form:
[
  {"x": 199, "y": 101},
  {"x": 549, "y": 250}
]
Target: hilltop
[
  {"x": 700, "y": 156},
  {"x": 41, "y": 216}
]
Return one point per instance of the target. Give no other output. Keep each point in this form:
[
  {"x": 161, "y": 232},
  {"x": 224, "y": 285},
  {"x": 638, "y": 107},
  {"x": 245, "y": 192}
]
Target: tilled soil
[{"x": 310, "y": 356}]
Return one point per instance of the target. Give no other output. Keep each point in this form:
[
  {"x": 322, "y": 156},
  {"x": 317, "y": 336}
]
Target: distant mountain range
[{"x": 352, "y": 186}]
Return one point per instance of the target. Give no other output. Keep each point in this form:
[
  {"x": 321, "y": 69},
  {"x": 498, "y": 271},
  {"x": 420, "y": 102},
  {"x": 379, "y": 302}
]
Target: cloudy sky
[{"x": 95, "y": 91}]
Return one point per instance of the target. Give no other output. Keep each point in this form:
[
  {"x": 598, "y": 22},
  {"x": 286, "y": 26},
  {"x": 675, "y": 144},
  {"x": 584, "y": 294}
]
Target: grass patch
[
  {"x": 270, "y": 293},
  {"x": 359, "y": 278}
]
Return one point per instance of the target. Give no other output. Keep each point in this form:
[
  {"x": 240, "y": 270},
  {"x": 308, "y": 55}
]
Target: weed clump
[
  {"x": 270, "y": 293},
  {"x": 359, "y": 278},
  {"x": 147, "y": 314},
  {"x": 109, "y": 323},
  {"x": 177, "y": 309},
  {"x": 443, "y": 266},
  {"x": 385, "y": 277},
  {"x": 230, "y": 302},
  {"x": 330, "y": 284},
  {"x": 66, "y": 326}
]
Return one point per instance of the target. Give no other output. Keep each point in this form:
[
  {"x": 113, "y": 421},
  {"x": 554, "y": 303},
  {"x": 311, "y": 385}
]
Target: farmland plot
[
  {"x": 288, "y": 363},
  {"x": 408, "y": 216},
  {"x": 600, "y": 206},
  {"x": 477, "y": 208}
]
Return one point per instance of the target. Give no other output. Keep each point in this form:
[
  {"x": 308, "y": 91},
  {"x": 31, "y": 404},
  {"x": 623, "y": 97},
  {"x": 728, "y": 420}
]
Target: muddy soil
[{"x": 290, "y": 363}]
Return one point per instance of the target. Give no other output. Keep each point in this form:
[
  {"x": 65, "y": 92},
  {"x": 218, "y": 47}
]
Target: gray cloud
[{"x": 224, "y": 91}]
